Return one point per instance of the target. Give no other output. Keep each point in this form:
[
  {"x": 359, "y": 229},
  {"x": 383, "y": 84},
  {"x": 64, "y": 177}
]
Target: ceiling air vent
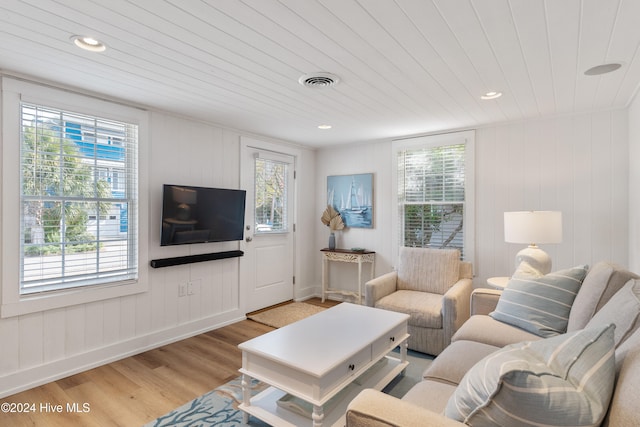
[{"x": 319, "y": 80}]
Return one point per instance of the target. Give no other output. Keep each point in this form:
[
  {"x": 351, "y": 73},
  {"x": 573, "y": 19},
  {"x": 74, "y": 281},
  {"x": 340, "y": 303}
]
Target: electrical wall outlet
[
  {"x": 193, "y": 287},
  {"x": 182, "y": 289}
]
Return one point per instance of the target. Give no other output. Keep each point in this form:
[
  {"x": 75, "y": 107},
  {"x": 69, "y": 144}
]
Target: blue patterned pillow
[
  {"x": 565, "y": 380},
  {"x": 540, "y": 305}
]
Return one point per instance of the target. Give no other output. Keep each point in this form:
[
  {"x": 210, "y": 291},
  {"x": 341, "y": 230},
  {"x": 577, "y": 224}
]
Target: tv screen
[{"x": 200, "y": 214}]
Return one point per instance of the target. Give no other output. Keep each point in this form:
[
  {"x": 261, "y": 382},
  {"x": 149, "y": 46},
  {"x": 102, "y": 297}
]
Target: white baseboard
[{"x": 38, "y": 375}]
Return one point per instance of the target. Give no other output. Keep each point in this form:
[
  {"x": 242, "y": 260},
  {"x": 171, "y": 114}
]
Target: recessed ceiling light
[
  {"x": 491, "y": 95},
  {"x": 324, "y": 127},
  {"x": 88, "y": 43},
  {"x": 602, "y": 69}
]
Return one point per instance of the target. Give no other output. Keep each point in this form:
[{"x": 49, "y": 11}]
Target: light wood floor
[{"x": 139, "y": 389}]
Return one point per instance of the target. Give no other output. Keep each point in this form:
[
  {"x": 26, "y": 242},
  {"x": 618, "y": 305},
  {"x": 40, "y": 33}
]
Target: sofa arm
[
  {"x": 455, "y": 307},
  {"x": 372, "y": 408},
  {"x": 484, "y": 300},
  {"x": 380, "y": 287}
]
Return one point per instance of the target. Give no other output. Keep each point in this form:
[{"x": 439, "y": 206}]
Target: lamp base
[
  {"x": 532, "y": 261},
  {"x": 183, "y": 212}
]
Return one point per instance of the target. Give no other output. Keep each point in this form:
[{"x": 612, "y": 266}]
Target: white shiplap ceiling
[{"x": 406, "y": 66}]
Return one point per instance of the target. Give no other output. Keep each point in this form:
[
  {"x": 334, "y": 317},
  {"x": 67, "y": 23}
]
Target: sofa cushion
[
  {"x": 431, "y": 395},
  {"x": 540, "y": 305},
  {"x": 424, "y": 308},
  {"x": 624, "y": 403},
  {"x": 428, "y": 270},
  {"x": 565, "y": 380},
  {"x": 487, "y": 330},
  {"x": 623, "y": 310},
  {"x": 456, "y": 360},
  {"x": 602, "y": 282}
]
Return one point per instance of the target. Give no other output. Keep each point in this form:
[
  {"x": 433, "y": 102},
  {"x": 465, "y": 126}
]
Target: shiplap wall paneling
[
  {"x": 53, "y": 335},
  {"x": 573, "y": 164},
  {"x": 31, "y": 350},
  {"x": 620, "y": 185}
]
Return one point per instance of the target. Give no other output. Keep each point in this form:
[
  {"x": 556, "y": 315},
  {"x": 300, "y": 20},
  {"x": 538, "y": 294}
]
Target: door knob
[{"x": 248, "y": 239}]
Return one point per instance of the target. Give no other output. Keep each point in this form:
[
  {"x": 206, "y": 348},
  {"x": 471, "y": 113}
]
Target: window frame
[
  {"x": 432, "y": 141},
  {"x": 14, "y": 92}
]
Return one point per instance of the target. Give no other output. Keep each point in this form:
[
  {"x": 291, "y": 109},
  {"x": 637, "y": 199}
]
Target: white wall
[
  {"x": 634, "y": 185},
  {"x": 44, "y": 346},
  {"x": 356, "y": 159},
  {"x": 575, "y": 164}
]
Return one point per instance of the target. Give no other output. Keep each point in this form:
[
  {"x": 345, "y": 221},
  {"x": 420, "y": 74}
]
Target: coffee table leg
[
  {"x": 403, "y": 354},
  {"x": 317, "y": 416},
  {"x": 246, "y": 396}
]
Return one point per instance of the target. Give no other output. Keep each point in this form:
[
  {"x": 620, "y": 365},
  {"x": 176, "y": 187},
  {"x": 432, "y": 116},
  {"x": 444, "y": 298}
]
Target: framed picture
[{"x": 352, "y": 196}]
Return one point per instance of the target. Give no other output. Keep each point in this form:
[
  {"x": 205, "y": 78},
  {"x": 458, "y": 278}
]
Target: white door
[{"x": 268, "y": 261}]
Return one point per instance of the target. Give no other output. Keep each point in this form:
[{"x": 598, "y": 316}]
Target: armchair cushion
[
  {"x": 540, "y": 305},
  {"x": 428, "y": 270},
  {"x": 565, "y": 380},
  {"x": 424, "y": 309}
]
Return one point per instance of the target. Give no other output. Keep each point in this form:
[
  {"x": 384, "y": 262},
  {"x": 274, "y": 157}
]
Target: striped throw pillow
[
  {"x": 565, "y": 380},
  {"x": 540, "y": 305}
]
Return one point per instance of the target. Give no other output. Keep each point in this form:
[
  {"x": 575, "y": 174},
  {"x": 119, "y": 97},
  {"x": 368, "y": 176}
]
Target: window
[
  {"x": 75, "y": 223},
  {"x": 434, "y": 195},
  {"x": 74, "y": 173},
  {"x": 270, "y": 195}
]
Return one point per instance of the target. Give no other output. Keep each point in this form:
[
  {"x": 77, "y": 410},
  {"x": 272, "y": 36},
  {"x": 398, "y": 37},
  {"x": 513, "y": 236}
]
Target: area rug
[
  {"x": 285, "y": 314},
  {"x": 219, "y": 407}
]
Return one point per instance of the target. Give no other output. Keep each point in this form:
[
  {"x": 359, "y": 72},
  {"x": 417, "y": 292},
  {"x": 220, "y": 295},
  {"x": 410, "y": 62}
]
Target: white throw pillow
[{"x": 566, "y": 380}]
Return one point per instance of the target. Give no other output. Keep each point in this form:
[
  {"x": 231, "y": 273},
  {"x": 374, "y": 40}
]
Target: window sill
[{"x": 54, "y": 300}]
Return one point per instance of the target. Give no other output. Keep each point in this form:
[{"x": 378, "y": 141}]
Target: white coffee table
[{"x": 335, "y": 353}]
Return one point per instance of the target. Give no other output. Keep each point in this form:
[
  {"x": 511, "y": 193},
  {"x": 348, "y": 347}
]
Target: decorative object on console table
[
  {"x": 332, "y": 219},
  {"x": 358, "y": 256},
  {"x": 332, "y": 241},
  {"x": 532, "y": 227}
]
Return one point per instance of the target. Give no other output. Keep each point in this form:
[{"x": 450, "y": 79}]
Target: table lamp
[
  {"x": 533, "y": 227},
  {"x": 184, "y": 197}
]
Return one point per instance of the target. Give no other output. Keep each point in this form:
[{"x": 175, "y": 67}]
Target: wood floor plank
[{"x": 141, "y": 388}]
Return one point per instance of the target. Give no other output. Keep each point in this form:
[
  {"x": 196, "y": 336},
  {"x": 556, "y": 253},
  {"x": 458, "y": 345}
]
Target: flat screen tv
[{"x": 200, "y": 214}]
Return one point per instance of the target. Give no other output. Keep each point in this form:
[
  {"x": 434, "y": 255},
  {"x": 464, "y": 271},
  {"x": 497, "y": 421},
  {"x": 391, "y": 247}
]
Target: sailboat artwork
[{"x": 352, "y": 196}]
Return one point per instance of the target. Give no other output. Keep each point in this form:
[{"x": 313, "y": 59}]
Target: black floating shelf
[{"x": 189, "y": 259}]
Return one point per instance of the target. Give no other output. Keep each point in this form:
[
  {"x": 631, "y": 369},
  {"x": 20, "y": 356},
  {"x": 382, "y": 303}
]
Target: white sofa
[{"x": 483, "y": 338}]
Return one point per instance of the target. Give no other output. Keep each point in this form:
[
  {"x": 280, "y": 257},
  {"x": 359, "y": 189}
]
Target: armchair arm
[
  {"x": 372, "y": 408},
  {"x": 456, "y": 307},
  {"x": 484, "y": 300},
  {"x": 379, "y": 287}
]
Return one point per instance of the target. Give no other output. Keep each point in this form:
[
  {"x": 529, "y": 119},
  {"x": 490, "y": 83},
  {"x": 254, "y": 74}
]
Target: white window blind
[
  {"x": 79, "y": 193},
  {"x": 431, "y": 196}
]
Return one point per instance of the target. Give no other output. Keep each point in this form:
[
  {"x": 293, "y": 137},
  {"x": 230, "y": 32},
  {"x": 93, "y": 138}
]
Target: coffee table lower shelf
[{"x": 264, "y": 405}]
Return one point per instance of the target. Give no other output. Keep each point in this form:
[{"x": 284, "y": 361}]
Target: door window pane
[{"x": 271, "y": 188}]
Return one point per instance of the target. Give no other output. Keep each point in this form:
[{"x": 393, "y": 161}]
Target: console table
[{"x": 345, "y": 255}]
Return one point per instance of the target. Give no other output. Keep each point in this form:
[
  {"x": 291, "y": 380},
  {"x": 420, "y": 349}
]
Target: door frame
[{"x": 245, "y": 144}]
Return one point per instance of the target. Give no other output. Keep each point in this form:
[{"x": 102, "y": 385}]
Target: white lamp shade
[
  {"x": 184, "y": 195},
  {"x": 533, "y": 227}
]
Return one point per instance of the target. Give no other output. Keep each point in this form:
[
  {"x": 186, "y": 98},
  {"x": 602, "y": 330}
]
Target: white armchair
[{"x": 433, "y": 287}]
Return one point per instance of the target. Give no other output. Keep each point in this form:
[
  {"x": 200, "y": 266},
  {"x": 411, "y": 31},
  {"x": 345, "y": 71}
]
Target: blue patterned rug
[{"x": 219, "y": 407}]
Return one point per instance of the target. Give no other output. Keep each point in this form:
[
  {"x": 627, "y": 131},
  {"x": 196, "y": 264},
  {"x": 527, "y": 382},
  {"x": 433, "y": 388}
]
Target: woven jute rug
[{"x": 285, "y": 314}]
